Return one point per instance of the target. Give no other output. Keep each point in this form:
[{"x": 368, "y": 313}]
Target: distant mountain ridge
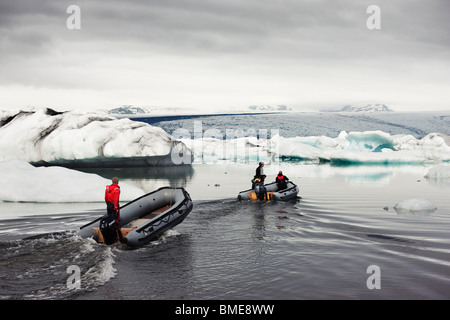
[
  {"x": 128, "y": 110},
  {"x": 367, "y": 108},
  {"x": 269, "y": 108}
]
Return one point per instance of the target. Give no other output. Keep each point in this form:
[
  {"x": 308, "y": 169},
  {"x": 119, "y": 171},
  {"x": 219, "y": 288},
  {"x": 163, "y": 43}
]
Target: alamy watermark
[
  {"x": 74, "y": 280},
  {"x": 229, "y": 146},
  {"x": 73, "y": 22},
  {"x": 374, "y": 280},
  {"x": 373, "y": 22}
]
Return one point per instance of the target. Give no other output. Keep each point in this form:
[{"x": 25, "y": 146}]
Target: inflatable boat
[
  {"x": 146, "y": 217},
  {"x": 271, "y": 193}
]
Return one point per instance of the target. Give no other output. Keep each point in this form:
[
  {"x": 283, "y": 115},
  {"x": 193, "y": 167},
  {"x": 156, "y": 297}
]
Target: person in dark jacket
[
  {"x": 281, "y": 181},
  {"x": 260, "y": 172}
]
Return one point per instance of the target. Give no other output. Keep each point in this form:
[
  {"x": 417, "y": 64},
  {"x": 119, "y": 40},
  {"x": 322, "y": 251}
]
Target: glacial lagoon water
[{"x": 325, "y": 245}]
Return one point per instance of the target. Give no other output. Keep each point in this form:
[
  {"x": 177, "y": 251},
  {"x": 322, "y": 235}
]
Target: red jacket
[{"x": 112, "y": 194}]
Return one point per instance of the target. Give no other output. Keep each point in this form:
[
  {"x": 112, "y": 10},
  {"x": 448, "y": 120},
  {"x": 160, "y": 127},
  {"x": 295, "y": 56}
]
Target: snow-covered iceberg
[
  {"x": 369, "y": 147},
  {"x": 365, "y": 148},
  {"x": 238, "y": 150},
  {"x": 83, "y": 138},
  {"x": 22, "y": 182}
]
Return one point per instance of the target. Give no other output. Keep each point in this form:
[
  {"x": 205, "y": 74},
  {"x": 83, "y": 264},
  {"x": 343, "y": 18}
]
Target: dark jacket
[{"x": 281, "y": 181}]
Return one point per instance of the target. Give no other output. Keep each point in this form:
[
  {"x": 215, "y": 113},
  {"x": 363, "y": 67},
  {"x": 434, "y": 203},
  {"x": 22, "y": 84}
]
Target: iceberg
[
  {"x": 369, "y": 147},
  {"x": 439, "y": 176},
  {"x": 238, "y": 150},
  {"x": 22, "y": 182},
  {"x": 414, "y": 206},
  {"x": 441, "y": 172},
  {"x": 83, "y": 138},
  {"x": 360, "y": 148}
]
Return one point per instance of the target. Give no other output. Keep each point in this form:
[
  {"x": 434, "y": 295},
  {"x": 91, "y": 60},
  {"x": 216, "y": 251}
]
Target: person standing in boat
[
  {"x": 112, "y": 195},
  {"x": 281, "y": 181},
  {"x": 258, "y": 182},
  {"x": 110, "y": 221},
  {"x": 260, "y": 172},
  {"x": 259, "y": 176}
]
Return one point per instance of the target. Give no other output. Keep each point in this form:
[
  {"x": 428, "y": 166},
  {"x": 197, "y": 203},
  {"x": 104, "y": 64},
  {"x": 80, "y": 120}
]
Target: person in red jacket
[
  {"x": 109, "y": 223},
  {"x": 112, "y": 195}
]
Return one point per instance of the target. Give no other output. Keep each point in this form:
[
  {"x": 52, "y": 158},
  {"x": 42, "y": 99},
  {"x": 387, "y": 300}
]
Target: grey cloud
[
  {"x": 264, "y": 34},
  {"x": 200, "y": 26}
]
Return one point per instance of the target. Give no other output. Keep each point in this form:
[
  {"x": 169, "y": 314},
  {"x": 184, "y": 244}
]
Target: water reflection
[{"x": 148, "y": 178}]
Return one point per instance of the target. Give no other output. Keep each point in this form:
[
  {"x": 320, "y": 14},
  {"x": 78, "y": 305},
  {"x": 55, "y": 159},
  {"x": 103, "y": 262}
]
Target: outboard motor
[
  {"x": 108, "y": 228},
  {"x": 260, "y": 191}
]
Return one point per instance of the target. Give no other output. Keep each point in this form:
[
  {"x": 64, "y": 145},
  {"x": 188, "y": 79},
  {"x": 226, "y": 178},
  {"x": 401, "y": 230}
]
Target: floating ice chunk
[
  {"x": 302, "y": 148},
  {"x": 438, "y": 173},
  {"x": 414, "y": 206}
]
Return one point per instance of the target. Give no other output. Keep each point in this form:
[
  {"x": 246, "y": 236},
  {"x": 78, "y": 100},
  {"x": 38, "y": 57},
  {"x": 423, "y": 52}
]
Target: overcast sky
[{"x": 217, "y": 54}]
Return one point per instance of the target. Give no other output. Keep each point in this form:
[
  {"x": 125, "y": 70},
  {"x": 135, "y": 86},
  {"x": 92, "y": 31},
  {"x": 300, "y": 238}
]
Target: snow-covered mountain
[
  {"x": 134, "y": 111},
  {"x": 367, "y": 108},
  {"x": 269, "y": 108},
  {"x": 129, "y": 109}
]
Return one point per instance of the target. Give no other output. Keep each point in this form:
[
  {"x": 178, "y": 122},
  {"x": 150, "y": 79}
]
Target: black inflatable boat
[{"x": 146, "y": 217}]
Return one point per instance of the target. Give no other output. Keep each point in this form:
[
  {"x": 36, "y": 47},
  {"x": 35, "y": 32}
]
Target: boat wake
[{"x": 42, "y": 266}]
